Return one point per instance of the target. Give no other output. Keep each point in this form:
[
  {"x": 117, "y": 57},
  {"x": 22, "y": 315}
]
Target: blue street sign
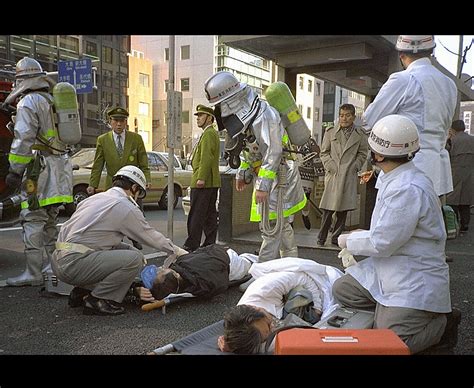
[{"x": 78, "y": 73}]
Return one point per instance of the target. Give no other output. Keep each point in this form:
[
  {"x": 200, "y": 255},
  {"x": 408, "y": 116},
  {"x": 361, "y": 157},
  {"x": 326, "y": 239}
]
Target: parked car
[{"x": 158, "y": 194}]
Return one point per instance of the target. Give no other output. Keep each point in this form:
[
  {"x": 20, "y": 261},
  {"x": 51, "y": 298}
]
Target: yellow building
[{"x": 140, "y": 93}]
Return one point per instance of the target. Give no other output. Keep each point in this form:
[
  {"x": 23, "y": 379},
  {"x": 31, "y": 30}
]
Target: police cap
[
  {"x": 118, "y": 113},
  {"x": 204, "y": 109}
]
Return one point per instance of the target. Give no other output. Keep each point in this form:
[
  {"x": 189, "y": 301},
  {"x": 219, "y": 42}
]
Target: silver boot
[{"x": 32, "y": 276}]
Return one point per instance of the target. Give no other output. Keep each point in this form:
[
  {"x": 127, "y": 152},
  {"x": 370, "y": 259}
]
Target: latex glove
[
  {"x": 342, "y": 240},
  {"x": 13, "y": 180},
  {"x": 347, "y": 258}
]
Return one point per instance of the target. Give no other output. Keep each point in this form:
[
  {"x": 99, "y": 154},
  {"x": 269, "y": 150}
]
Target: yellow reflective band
[
  {"x": 256, "y": 217},
  {"x": 285, "y": 139},
  {"x": 258, "y": 163},
  {"x": 267, "y": 174},
  {"x": 50, "y": 201},
  {"x": 19, "y": 159},
  {"x": 244, "y": 165},
  {"x": 50, "y": 133},
  {"x": 294, "y": 116}
]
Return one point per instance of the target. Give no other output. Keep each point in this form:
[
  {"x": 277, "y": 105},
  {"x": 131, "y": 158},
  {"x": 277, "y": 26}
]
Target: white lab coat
[
  {"x": 407, "y": 265},
  {"x": 275, "y": 278},
  {"x": 428, "y": 97}
]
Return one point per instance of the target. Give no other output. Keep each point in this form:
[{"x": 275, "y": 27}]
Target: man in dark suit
[
  {"x": 116, "y": 149},
  {"x": 205, "y": 182}
]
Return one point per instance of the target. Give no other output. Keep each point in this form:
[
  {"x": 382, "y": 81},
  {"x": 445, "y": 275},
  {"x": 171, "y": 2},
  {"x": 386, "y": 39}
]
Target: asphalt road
[{"x": 32, "y": 324}]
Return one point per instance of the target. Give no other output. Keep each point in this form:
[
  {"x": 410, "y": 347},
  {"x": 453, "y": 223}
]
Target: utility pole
[
  {"x": 171, "y": 130},
  {"x": 458, "y": 75}
]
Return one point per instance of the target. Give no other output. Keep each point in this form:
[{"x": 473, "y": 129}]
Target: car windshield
[
  {"x": 176, "y": 161},
  {"x": 84, "y": 158}
]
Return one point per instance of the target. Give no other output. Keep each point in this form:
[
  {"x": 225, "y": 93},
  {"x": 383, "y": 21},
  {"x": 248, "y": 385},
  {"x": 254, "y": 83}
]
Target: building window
[
  {"x": 310, "y": 85},
  {"x": 318, "y": 88},
  {"x": 185, "y": 52},
  {"x": 167, "y": 85},
  {"x": 185, "y": 84},
  {"x": 107, "y": 78},
  {"x": 144, "y": 79},
  {"x": 155, "y": 124},
  {"x": 300, "y": 108},
  {"x": 107, "y": 54},
  {"x": 91, "y": 49},
  {"x": 143, "y": 108},
  {"x": 316, "y": 114},
  {"x": 308, "y": 112},
  {"x": 185, "y": 116},
  {"x": 301, "y": 82},
  {"x": 167, "y": 54}
]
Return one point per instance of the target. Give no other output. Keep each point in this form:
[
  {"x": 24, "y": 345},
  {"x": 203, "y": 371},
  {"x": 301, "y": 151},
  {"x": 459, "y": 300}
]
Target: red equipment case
[{"x": 340, "y": 342}]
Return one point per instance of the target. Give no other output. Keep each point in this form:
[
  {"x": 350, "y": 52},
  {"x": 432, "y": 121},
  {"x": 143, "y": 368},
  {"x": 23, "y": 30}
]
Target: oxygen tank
[
  {"x": 279, "y": 96},
  {"x": 65, "y": 104}
]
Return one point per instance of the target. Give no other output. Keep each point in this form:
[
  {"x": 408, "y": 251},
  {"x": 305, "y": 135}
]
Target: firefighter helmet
[
  {"x": 221, "y": 86},
  {"x": 28, "y": 67}
]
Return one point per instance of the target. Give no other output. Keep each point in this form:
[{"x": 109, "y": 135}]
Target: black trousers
[
  {"x": 202, "y": 217},
  {"x": 464, "y": 215},
  {"x": 326, "y": 224}
]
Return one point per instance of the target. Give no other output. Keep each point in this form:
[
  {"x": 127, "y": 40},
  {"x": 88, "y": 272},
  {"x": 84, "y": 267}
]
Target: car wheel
[
  {"x": 163, "y": 202},
  {"x": 79, "y": 194}
]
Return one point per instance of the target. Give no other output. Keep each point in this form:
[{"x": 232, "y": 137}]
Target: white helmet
[
  {"x": 221, "y": 86},
  {"x": 394, "y": 136},
  {"x": 28, "y": 67},
  {"x": 415, "y": 43},
  {"x": 134, "y": 174}
]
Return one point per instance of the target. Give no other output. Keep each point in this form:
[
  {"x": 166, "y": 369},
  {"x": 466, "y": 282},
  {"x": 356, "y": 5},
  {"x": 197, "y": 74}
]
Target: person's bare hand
[
  {"x": 200, "y": 184},
  {"x": 260, "y": 196},
  {"x": 145, "y": 294},
  {"x": 240, "y": 184},
  {"x": 365, "y": 176},
  {"x": 90, "y": 190}
]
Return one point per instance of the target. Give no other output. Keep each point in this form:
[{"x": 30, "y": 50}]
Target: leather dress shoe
[
  {"x": 96, "y": 306},
  {"x": 76, "y": 297},
  {"x": 306, "y": 222}
]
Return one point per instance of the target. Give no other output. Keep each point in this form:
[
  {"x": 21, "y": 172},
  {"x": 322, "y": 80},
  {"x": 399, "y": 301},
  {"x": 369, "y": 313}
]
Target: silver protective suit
[
  {"x": 34, "y": 120},
  {"x": 266, "y": 153}
]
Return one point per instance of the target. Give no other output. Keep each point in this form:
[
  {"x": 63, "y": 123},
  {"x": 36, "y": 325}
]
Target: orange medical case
[{"x": 339, "y": 341}]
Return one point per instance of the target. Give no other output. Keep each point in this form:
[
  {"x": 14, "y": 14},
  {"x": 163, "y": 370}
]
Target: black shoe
[
  {"x": 450, "y": 335},
  {"x": 137, "y": 245},
  {"x": 306, "y": 222},
  {"x": 96, "y": 306},
  {"x": 76, "y": 297}
]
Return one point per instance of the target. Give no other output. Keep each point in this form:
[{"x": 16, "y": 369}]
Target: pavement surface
[{"x": 33, "y": 324}]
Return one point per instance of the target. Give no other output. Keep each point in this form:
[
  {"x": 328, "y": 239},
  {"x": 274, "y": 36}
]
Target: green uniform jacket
[
  {"x": 205, "y": 160},
  {"x": 134, "y": 154}
]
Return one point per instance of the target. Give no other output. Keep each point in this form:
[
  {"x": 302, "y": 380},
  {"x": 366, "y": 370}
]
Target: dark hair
[
  {"x": 240, "y": 334},
  {"x": 164, "y": 285},
  {"x": 348, "y": 107},
  {"x": 122, "y": 182},
  {"x": 458, "y": 125}
]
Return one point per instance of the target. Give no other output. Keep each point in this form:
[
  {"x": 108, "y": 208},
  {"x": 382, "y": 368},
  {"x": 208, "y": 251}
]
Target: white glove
[
  {"x": 347, "y": 258},
  {"x": 342, "y": 240},
  {"x": 179, "y": 251}
]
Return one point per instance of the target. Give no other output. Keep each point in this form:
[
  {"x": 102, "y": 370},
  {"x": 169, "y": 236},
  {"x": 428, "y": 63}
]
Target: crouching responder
[
  {"x": 90, "y": 253},
  {"x": 40, "y": 165},
  {"x": 405, "y": 277},
  {"x": 255, "y": 127}
]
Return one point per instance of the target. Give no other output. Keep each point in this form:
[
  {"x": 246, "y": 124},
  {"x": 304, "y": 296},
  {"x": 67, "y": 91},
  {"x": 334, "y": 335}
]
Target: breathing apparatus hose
[{"x": 264, "y": 209}]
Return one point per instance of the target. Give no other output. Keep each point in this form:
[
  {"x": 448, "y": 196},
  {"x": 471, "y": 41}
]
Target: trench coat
[{"x": 342, "y": 161}]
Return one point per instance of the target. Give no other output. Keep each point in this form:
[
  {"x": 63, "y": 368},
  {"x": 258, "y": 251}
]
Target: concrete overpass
[{"x": 361, "y": 63}]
